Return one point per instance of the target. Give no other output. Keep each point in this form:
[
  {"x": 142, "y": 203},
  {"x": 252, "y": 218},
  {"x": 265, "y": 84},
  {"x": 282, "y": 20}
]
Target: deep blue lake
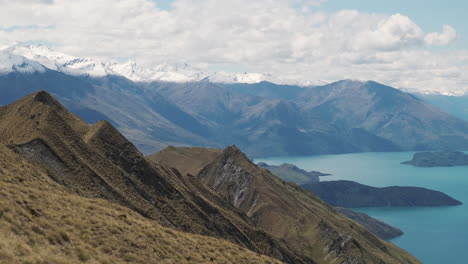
[{"x": 435, "y": 235}]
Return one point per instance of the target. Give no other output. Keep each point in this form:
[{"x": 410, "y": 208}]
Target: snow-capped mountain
[
  {"x": 61, "y": 62},
  {"x": 36, "y": 58},
  {"x": 11, "y": 62}
]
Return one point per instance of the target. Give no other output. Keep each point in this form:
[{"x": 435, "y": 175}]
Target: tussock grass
[{"x": 42, "y": 223}]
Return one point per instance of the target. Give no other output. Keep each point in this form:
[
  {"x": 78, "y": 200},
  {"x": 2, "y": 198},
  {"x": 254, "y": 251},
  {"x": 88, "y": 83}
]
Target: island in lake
[
  {"x": 348, "y": 194},
  {"x": 351, "y": 194},
  {"x": 439, "y": 159}
]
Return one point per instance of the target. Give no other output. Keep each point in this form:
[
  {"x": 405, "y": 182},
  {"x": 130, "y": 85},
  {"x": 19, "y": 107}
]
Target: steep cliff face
[
  {"x": 306, "y": 223},
  {"x": 96, "y": 161}
]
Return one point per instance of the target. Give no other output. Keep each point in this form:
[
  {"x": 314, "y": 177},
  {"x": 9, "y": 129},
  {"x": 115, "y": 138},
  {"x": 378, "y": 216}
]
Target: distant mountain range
[
  {"x": 263, "y": 119},
  {"x": 455, "y": 105}
]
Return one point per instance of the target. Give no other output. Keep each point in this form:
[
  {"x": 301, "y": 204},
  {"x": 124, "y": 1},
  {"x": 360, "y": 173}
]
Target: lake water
[{"x": 435, "y": 235}]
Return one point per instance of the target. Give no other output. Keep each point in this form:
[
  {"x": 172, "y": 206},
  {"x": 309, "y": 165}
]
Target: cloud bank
[{"x": 289, "y": 39}]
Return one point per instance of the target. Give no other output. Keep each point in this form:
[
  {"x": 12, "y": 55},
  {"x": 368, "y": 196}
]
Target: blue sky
[
  {"x": 164, "y": 4},
  {"x": 429, "y": 14}
]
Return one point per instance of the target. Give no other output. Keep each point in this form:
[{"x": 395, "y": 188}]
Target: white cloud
[
  {"x": 287, "y": 38},
  {"x": 394, "y": 32},
  {"x": 448, "y": 35}
]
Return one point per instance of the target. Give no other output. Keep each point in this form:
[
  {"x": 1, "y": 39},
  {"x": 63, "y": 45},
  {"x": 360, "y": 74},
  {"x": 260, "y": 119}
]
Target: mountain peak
[
  {"x": 233, "y": 149},
  {"x": 45, "y": 98},
  {"x": 235, "y": 153}
]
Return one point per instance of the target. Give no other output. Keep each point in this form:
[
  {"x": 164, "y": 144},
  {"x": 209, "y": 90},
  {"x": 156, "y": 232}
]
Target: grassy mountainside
[
  {"x": 378, "y": 228},
  {"x": 186, "y": 160},
  {"x": 306, "y": 223},
  {"x": 42, "y": 222},
  {"x": 95, "y": 161}
]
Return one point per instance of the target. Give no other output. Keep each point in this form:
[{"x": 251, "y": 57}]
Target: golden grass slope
[
  {"x": 186, "y": 160},
  {"x": 41, "y": 222}
]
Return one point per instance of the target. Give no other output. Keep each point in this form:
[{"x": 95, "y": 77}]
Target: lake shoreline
[{"x": 421, "y": 225}]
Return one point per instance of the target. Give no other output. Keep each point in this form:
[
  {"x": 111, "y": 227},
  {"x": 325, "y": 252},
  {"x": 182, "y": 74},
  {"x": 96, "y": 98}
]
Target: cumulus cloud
[
  {"x": 447, "y": 36},
  {"x": 394, "y": 32},
  {"x": 289, "y": 39}
]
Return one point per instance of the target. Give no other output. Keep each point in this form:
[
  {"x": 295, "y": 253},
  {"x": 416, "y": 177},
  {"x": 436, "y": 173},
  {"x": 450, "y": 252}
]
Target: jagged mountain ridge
[{"x": 283, "y": 209}]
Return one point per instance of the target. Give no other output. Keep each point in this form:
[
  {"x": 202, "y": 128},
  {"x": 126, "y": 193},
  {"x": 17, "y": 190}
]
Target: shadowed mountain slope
[
  {"x": 388, "y": 113},
  {"x": 96, "y": 161}
]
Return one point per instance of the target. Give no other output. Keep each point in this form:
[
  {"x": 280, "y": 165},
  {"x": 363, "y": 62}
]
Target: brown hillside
[
  {"x": 186, "y": 160},
  {"x": 96, "y": 161},
  {"x": 41, "y": 222},
  {"x": 307, "y": 224}
]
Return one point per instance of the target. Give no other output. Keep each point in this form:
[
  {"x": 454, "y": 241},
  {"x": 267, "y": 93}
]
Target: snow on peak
[
  {"x": 58, "y": 61},
  {"x": 162, "y": 72},
  {"x": 228, "y": 77},
  {"x": 46, "y": 57},
  {"x": 10, "y": 62}
]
